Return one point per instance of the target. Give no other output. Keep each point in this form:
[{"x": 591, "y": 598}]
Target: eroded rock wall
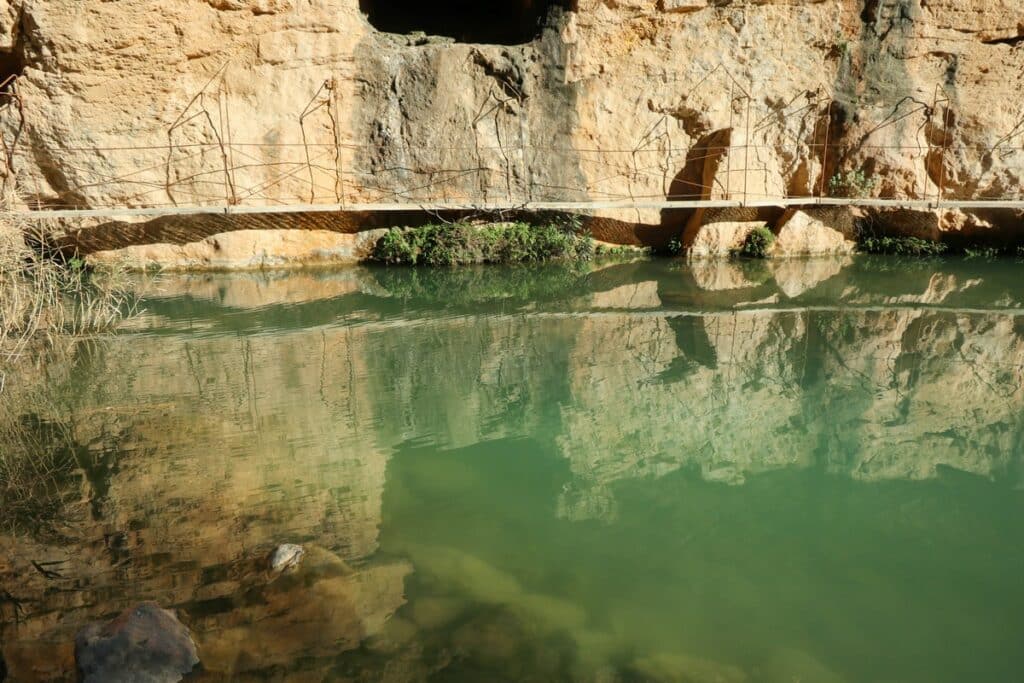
[{"x": 279, "y": 101}]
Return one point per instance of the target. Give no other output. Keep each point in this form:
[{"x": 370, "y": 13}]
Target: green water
[{"x": 786, "y": 472}]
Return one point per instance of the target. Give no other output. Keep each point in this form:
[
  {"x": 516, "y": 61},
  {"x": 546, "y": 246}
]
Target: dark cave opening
[
  {"x": 501, "y": 22},
  {"x": 11, "y": 65}
]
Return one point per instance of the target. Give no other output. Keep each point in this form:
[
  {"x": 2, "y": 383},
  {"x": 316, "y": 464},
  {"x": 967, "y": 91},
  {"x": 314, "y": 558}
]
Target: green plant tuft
[
  {"x": 853, "y": 183},
  {"x": 463, "y": 244},
  {"x": 901, "y": 246},
  {"x": 757, "y": 244},
  {"x": 620, "y": 251},
  {"x": 43, "y": 299}
]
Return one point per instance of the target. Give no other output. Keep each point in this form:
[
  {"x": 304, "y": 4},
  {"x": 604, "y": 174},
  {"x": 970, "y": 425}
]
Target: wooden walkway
[{"x": 497, "y": 207}]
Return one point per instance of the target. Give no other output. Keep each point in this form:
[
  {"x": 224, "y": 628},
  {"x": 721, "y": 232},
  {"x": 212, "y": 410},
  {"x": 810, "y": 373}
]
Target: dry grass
[
  {"x": 44, "y": 298},
  {"x": 38, "y": 460},
  {"x": 47, "y": 306}
]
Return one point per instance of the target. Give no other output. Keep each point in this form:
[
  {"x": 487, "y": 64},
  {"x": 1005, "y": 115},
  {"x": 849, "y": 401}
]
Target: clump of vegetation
[
  {"x": 43, "y": 296},
  {"x": 47, "y": 304},
  {"x": 673, "y": 248},
  {"x": 901, "y": 246},
  {"x": 464, "y": 244},
  {"x": 37, "y": 458},
  {"x": 757, "y": 244},
  {"x": 621, "y": 251},
  {"x": 853, "y": 183},
  {"x": 982, "y": 252}
]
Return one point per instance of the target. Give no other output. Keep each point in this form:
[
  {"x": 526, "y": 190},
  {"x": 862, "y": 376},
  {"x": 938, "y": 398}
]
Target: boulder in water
[{"x": 145, "y": 644}]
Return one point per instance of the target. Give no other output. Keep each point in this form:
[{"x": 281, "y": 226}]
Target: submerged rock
[
  {"x": 796, "y": 665},
  {"x": 673, "y": 666},
  {"x": 286, "y": 556},
  {"x": 436, "y": 612},
  {"x": 145, "y": 644}
]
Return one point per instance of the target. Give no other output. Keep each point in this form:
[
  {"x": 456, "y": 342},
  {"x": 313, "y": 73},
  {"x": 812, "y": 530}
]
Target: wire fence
[{"x": 768, "y": 154}]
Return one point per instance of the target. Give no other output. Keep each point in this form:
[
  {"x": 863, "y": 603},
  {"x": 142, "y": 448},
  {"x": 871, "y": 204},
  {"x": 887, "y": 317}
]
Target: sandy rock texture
[
  {"x": 245, "y": 250},
  {"x": 254, "y": 102}
]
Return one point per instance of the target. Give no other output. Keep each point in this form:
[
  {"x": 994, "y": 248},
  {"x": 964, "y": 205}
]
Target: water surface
[{"x": 794, "y": 471}]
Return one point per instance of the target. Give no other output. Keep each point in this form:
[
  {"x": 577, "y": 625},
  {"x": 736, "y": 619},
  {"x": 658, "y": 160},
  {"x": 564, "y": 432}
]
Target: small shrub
[
  {"x": 463, "y": 244},
  {"x": 397, "y": 246},
  {"x": 621, "y": 251},
  {"x": 901, "y": 246},
  {"x": 674, "y": 247},
  {"x": 854, "y": 183},
  {"x": 757, "y": 244}
]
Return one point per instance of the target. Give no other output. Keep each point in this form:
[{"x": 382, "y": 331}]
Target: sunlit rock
[
  {"x": 718, "y": 240},
  {"x": 798, "y": 234},
  {"x": 285, "y": 557},
  {"x": 683, "y": 5},
  {"x": 245, "y": 250}
]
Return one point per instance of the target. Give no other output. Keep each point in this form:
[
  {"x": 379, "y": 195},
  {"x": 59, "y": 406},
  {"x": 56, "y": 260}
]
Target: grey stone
[
  {"x": 144, "y": 644},
  {"x": 286, "y": 556}
]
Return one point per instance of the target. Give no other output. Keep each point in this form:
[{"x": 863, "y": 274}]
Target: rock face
[
  {"x": 719, "y": 239},
  {"x": 265, "y": 102},
  {"x": 144, "y": 644},
  {"x": 245, "y": 250},
  {"x": 802, "y": 235}
]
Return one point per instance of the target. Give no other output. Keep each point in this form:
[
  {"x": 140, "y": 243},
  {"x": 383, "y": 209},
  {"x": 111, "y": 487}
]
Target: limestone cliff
[{"x": 138, "y": 103}]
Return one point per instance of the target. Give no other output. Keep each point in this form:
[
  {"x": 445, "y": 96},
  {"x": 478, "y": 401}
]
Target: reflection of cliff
[
  {"x": 197, "y": 456},
  {"x": 875, "y": 395},
  {"x": 189, "y": 451},
  {"x": 677, "y": 402}
]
